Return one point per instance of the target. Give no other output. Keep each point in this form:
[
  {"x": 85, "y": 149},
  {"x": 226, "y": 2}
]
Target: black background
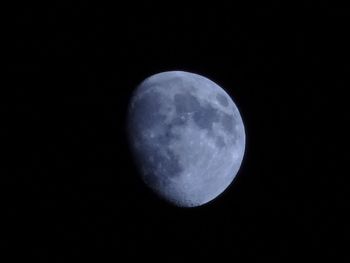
[{"x": 70, "y": 189}]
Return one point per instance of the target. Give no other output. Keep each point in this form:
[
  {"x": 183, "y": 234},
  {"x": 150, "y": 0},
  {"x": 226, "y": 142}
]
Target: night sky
[{"x": 70, "y": 188}]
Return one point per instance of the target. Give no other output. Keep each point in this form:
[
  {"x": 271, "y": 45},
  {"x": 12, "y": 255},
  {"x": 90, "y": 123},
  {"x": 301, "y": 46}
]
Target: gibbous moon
[{"x": 187, "y": 137}]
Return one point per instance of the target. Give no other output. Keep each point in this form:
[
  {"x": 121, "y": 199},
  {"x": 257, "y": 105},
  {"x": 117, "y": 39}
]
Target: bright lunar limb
[{"x": 187, "y": 137}]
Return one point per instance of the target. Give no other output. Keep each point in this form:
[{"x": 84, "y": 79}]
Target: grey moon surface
[{"x": 186, "y": 136}]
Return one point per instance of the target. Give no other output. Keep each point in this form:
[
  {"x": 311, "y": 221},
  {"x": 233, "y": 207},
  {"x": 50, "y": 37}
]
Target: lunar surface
[{"x": 187, "y": 137}]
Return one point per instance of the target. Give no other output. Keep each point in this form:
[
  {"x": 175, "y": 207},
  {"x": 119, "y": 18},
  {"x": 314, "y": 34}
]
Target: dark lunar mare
[
  {"x": 146, "y": 115},
  {"x": 228, "y": 122},
  {"x": 188, "y": 105},
  {"x": 219, "y": 141},
  {"x": 170, "y": 165},
  {"x": 204, "y": 116},
  {"x": 222, "y": 99},
  {"x": 143, "y": 119}
]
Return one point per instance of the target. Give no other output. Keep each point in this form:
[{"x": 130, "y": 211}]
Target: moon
[{"x": 186, "y": 136}]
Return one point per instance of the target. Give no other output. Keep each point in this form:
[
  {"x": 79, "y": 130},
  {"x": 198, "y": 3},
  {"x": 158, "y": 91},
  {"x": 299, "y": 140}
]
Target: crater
[{"x": 222, "y": 99}]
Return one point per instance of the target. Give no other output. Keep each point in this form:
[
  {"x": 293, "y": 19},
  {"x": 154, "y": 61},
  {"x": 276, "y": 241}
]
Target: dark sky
[{"x": 70, "y": 188}]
